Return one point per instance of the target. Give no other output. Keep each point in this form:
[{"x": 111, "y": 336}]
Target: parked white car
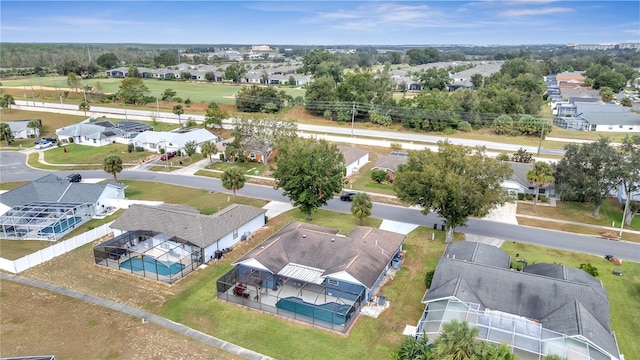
[{"x": 43, "y": 145}]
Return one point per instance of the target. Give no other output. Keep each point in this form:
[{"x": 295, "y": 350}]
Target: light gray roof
[
  {"x": 51, "y": 188},
  {"x": 620, "y": 118},
  {"x": 363, "y": 253},
  {"x": 187, "y": 223},
  {"x": 91, "y": 131},
  {"x": 390, "y": 162},
  {"x": 570, "y": 307},
  {"x": 479, "y": 253},
  {"x": 351, "y": 154}
]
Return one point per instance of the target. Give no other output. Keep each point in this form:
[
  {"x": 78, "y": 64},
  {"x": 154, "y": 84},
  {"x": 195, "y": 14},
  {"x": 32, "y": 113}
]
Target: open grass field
[
  {"x": 73, "y": 329},
  {"x": 50, "y": 122},
  {"x": 623, "y": 291},
  {"x": 197, "y": 91}
]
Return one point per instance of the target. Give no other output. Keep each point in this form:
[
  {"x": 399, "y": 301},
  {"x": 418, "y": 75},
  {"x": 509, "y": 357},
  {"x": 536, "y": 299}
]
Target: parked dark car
[
  {"x": 74, "y": 178},
  {"x": 168, "y": 155},
  {"x": 347, "y": 195},
  {"x": 51, "y": 140}
]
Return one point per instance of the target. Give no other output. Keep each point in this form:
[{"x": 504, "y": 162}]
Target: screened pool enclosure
[
  {"x": 304, "y": 301},
  {"x": 153, "y": 255},
  {"x": 43, "y": 220}
]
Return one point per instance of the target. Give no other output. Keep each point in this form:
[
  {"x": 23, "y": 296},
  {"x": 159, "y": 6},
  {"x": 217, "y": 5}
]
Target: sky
[{"x": 486, "y": 22}]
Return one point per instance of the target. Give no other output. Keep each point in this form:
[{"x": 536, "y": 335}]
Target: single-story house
[
  {"x": 354, "y": 158},
  {"x": 390, "y": 163},
  {"x": 546, "y": 309},
  {"x": 312, "y": 273},
  {"x": 519, "y": 184},
  {"x": 130, "y": 128},
  {"x": 167, "y": 242},
  {"x": 96, "y": 133},
  {"x": 20, "y": 130},
  {"x": 173, "y": 140},
  {"x": 49, "y": 207}
]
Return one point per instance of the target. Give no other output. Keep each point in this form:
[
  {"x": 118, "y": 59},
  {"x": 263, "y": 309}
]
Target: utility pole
[
  {"x": 353, "y": 116},
  {"x": 542, "y": 127},
  {"x": 626, "y": 206}
]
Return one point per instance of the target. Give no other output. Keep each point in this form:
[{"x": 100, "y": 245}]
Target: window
[
  {"x": 235, "y": 233},
  {"x": 610, "y": 127},
  {"x": 620, "y": 127},
  {"x": 333, "y": 282}
]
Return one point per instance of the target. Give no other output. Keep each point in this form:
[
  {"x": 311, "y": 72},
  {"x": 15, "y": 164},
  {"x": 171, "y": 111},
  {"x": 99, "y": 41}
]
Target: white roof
[
  {"x": 301, "y": 272},
  {"x": 174, "y": 138}
]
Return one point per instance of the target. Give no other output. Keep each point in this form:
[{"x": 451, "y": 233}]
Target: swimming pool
[
  {"x": 61, "y": 226},
  {"x": 330, "y": 312},
  {"x": 148, "y": 263}
]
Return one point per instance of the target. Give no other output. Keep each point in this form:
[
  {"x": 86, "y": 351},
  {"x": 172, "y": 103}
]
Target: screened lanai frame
[
  {"x": 43, "y": 220},
  {"x": 304, "y": 301},
  {"x": 149, "y": 254},
  {"x": 571, "y": 123},
  {"x": 527, "y": 338}
]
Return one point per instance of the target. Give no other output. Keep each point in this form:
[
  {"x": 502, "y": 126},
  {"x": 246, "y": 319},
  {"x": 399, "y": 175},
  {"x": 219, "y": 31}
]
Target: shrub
[
  {"x": 514, "y": 133},
  {"x": 464, "y": 126},
  {"x": 503, "y": 157},
  {"x": 589, "y": 269},
  {"x": 378, "y": 175},
  {"x": 90, "y": 227},
  {"x": 178, "y": 152},
  {"x": 520, "y": 196},
  {"x": 266, "y": 219},
  {"x": 177, "y": 99},
  {"x": 221, "y": 156},
  {"x": 429, "y": 278},
  {"x": 449, "y": 131},
  {"x": 140, "y": 149},
  {"x": 70, "y": 140},
  {"x": 396, "y": 146}
]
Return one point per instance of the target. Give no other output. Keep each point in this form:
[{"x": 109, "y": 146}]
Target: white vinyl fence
[{"x": 57, "y": 249}]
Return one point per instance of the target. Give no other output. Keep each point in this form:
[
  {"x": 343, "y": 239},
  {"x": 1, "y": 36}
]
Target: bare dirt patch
[{"x": 34, "y": 321}]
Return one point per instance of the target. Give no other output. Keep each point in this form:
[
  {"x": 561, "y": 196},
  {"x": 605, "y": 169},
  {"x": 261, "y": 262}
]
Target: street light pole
[{"x": 353, "y": 116}]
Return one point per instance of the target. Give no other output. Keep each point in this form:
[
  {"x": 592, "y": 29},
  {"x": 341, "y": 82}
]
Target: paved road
[
  {"x": 333, "y": 130},
  {"x": 13, "y": 169}
]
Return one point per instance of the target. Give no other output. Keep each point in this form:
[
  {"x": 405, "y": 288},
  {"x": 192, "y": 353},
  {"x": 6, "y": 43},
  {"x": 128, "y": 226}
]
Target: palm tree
[
  {"x": 178, "y": 110},
  {"x": 113, "y": 165},
  {"x": 233, "y": 179},
  {"x": 361, "y": 206},
  {"x": 7, "y": 100},
  {"x": 540, "y": 175},
  {"x": 35, "y": 125},
  {"x": 84, "y": 106},
  {"x": 5, "y": 133},
  {"x": 457, "y": 341},
  {"x": 207, "y": 149},
  {"x": 413, "y": 349}
]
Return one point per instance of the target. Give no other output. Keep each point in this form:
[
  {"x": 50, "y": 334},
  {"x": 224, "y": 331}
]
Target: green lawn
[
  {"x": 50, "y": 122},
  {"x": 249, "y": 168},
  {"x": 195, "y": 90},
  {"x": 84, "y": 154},
  {"x": 623, "y": 291},
  {"x": 369, "y": 339}
]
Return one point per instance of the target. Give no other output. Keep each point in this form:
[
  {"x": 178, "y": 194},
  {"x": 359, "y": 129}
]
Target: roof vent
[
  {"x": 304, "y": 236},
  {"x": 333, "y": 239}
]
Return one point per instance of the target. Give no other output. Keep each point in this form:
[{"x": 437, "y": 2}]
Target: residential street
[{"x": 13, "y": 168}]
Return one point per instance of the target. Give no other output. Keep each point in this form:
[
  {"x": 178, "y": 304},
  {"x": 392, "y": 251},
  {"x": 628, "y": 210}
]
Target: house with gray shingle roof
[
  {"x": 518, "y": 182},
  {"x": 21, "y": 130},
  {"x": 49, "y": 207},
  {"x": 354, "y": 158},
  {"x": 547, "y": 309},
  {"x": 313, "y": 273},
  {"x": 173, "y": 240},
  {"x": 390, "y": 163}
]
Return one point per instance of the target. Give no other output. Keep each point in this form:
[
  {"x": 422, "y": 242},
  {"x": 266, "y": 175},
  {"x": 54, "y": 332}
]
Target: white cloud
[{"x": 533, "y": 12}]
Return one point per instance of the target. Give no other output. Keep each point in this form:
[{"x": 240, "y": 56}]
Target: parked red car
[{"x": 168, "y": 155}]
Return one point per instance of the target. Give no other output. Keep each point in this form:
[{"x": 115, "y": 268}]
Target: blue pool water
[
  {"x": 61, "y": 226},
  {"x": 148, "y": 263},
  {"x": 330, "y": 312}
]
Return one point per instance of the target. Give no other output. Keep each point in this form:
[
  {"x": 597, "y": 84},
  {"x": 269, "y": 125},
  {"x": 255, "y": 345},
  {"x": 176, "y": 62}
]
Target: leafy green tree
[
  {"x": 214, "y": 115},
  {"x": 190, "y": 147},
  {"x": 235, "y": 72},
  {"x": 589, "y": 172},
  {"x": 165, "y": 59},
  {"x": 178, "y": 110},
  {"x": 309, "y": 172},
  {"x": 457, "y": 341},
  {"x": 113, "y": 165},
  {"x": 434, "y": 78},
  {"x": 320, "y": 94},
  {"x": 477, "y": 80},
  {"x": 255, "y": 99},
  {"x": 626, "y": 102},
  {"x": 455, "y": 182},
  {"x": 168, "y": 94},
  {"x": 134, "y": 72},
  {"x": 331, "y": 69},
  {"x": 233, "y": 179},
  {"x": 379, "y": 175},
  {"x": 262, "y": 134},
  {"x": 84, "y": 106},
  {"x": 361, "y": 206},
  {"x": 108, "y": 61},
  {"x": 611, "y": 79},
  {"x": 423, "y": 56},
  {"x": 311, "y": 61},
  {"x": 133, "y": 91},
  {"x": 5, "y": 133},
  {"x": 630, "y": 178},
  {"x": 210, "y": 76},
  {"x": 35, "y": 125},
  {"x": 73, "y": 80},
  {"x": 541, "y": 174},
  {"x": 606, "y": 94},
  {"x": 208, "y": 149},
  {"x": 185, "y": 75}
]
